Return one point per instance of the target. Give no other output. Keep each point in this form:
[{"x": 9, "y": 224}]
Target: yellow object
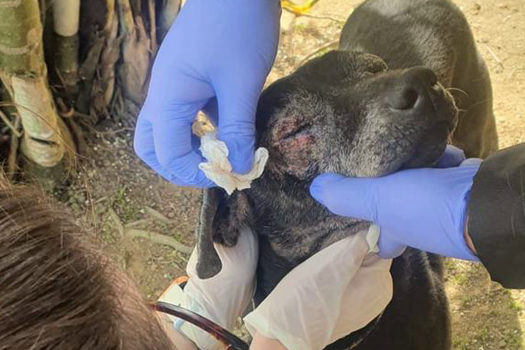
[
  {"x": 298, "y": 9},
  {"x": 202, "y": 125},
  {"x": 181, "y": 279}
]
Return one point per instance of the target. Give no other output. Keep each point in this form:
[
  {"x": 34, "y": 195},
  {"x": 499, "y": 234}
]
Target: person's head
[{"x": 57, "y": 291}]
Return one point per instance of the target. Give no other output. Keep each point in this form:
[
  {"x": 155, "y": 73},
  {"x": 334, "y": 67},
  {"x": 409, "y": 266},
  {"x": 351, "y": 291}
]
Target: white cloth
[
  {"x": 335, "y": 292},
  {"x": 218, "y": 167}
]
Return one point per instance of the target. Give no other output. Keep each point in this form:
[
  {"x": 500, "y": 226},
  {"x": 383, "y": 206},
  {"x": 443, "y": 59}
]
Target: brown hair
[{"x": 57, "y": 291}]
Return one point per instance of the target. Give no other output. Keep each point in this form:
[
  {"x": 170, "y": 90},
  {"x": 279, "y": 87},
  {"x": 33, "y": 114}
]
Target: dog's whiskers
[{"x": 458, "y": 90}]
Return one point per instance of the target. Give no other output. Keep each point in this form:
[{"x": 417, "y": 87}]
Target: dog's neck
[{"x": 295, "y": 224}]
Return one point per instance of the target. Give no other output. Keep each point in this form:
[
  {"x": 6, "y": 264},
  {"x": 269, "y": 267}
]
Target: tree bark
[
  {"x": 99, "y": 54},
  {"x": 136, "y": 46},
  {"x": 23, "y": 72},
  {"x": 66, "y": 15},
  {"x": 169, "y": 12}
]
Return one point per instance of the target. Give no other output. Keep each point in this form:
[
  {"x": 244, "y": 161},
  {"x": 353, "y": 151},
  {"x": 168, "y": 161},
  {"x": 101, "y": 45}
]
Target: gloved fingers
[
  {"x": 242, "y": 257},
  {"x": 237, "y": 102},
  {"x": 224, "y": 297},
  {"x": 389, "y": 249},
  {"x": 191, "y": 266},
  {"x": 172, "y": 137},
  {"x": 471, "y": 162},
  {"x": 451, "y": 157},
  {"x": 302, "y": 310},
  {"x": 351, "y": 197},
  {"x": 366, "y": 297},
  {"x": 346, "y": 254},
  {"x": 145, "y": 149},
  {"x": 238, "y": 262},
  {"x": 171, "y": 106}
]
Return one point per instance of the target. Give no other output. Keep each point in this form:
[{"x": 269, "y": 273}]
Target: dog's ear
[{"x": 222, "y": 218}]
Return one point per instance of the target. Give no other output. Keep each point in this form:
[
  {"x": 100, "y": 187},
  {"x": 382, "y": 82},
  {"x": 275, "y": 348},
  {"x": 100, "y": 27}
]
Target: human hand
[
  {"x": 420, "y": 208},
  {"x": 315, "y": 304},
  {"x": 215, "y": 58},
  {"x": 222, "y": 298}
]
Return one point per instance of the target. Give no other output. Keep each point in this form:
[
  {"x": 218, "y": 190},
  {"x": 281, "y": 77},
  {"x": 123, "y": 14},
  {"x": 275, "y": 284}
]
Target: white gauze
[{"x": 219, "y": 169}]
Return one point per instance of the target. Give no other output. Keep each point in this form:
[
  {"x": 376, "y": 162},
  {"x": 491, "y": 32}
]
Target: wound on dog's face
[
  {"x": 345, "y": 113},
  {"x": 295, "y": 134}
]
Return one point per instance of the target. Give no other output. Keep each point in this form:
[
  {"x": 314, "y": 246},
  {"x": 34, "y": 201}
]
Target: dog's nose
[{"x": 411, "y": 89}]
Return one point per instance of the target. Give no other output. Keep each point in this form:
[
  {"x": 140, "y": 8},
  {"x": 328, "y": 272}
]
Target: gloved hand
[
  {"x": 420, "y": 208},
  {"x": 215, "y": 58},
  {"x": 222, "y": 298},
  {"x": 333, "y": 293},
  {"x": 312, "y": 306}
]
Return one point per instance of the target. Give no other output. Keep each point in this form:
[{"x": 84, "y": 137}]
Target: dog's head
[{"x": 346, "y": 113}]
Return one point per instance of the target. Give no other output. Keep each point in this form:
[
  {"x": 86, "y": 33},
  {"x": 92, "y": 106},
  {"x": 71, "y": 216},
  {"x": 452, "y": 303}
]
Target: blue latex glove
[
  {"x": 215, "y": 58},
  {"x": 420, "y": 208}
]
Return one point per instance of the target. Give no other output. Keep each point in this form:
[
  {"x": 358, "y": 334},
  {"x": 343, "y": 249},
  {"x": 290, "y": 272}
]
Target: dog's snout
[{"x": 410, "y": 90}]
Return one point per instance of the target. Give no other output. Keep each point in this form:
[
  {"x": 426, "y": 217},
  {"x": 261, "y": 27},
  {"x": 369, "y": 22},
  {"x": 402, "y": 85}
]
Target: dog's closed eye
[
  {"x": 301, "y": 130},
  {"x": 290, "y": 127}
]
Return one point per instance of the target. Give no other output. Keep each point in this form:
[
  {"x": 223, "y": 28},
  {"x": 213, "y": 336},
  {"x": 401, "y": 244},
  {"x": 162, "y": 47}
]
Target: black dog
[{"x": 368, "y": 109}]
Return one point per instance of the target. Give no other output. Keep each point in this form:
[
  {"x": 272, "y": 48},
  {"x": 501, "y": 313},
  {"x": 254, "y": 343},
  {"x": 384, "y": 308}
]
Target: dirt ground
[{"x": 119, "y": 198}]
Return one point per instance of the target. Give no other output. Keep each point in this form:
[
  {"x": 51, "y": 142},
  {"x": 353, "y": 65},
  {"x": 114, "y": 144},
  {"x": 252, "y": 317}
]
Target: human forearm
[
  {"x": 496, "y": 223},
  {"x": 260, "y": 342},
  {"x": 468, "y": 239}
]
